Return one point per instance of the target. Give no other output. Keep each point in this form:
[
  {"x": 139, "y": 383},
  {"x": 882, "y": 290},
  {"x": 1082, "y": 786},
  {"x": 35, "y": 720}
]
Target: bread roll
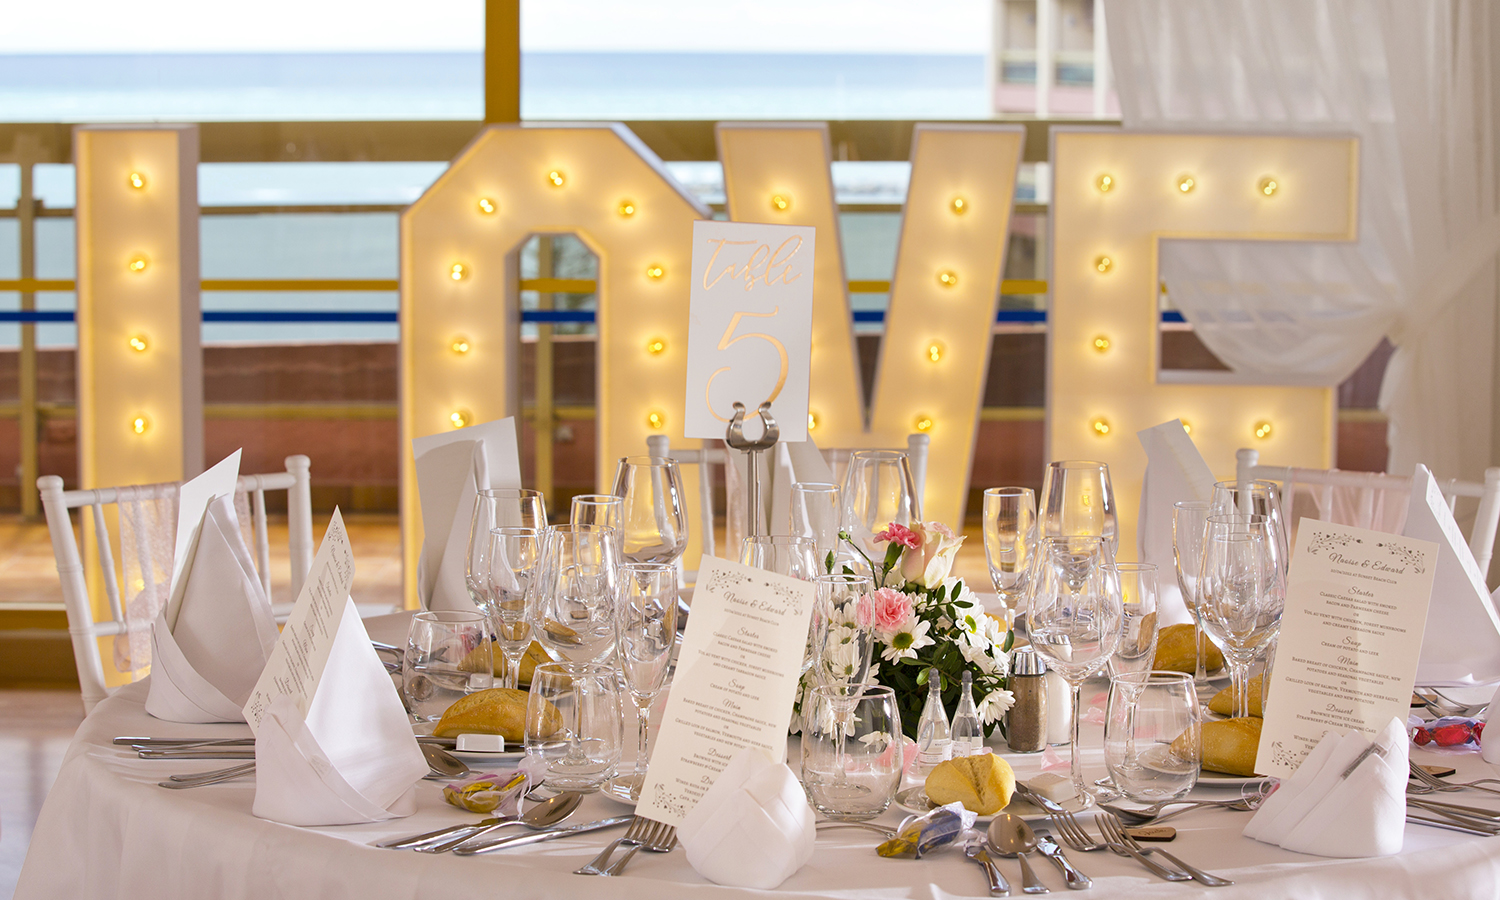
[
  {"x": 983, "y": 783},
  {"x": 499, "y": 711},
  {"x": 1174, "y": 651},
  {"x": 1229, "y": 745},
  {"x": 1223, "y": 701}
]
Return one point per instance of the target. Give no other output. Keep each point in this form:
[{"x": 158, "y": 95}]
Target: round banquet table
[{"x": 108, "y": 830}]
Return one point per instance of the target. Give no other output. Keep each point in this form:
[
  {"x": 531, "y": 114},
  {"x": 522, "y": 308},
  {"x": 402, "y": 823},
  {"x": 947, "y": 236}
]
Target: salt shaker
[{"x": 1026, "y": 721}]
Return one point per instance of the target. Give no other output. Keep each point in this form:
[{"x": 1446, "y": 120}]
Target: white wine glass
[
  {"x": 653, "y": 514},
  {"x": 1078, "y": 500},
  {"x": 816, "y": 514},
  {"x": 1242, "y": 595},
  {"x": 496, "y": 508},
  {"x": 1188, "y": 520},
  {"x": 878, "y": 490},
  {"x": 575, "y": 609},
  {"x": 1074, "y": 617},
  {"x": 1136, "y": 651},
  {"x": 844, "y": 646}
]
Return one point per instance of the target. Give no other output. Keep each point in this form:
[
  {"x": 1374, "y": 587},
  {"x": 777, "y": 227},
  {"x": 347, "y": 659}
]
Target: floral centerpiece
[{"x": 923, "y": 620}]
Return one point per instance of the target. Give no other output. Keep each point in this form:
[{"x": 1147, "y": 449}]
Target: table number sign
[
  {"x": 301, "y": 654},
  {"x": 749, "y": 326},
  {"x": 736, "y": 679},
  {"x": 1351, "y": 635}
]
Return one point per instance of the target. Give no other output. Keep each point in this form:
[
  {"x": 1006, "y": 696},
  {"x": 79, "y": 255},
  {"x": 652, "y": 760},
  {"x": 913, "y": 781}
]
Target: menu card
[
  {"x": 749, "y": 327},
  {"x": 736, "y": 679},
  {"x": 1351, "y": 635},
  {"x": 301, "y": 653}
]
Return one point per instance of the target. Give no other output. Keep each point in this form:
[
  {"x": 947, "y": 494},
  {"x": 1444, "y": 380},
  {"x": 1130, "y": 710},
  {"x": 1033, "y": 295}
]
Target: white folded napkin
[
  {"x": 211, "y": 640},
  {"x": 352, "y": 758},
  {"x": 1491, "y": 751},
  {"x": 1461, "y": 643},
  {"x": 1175, "y": 472},
  {"x": 451, "y": 468},
  {"x": 1346, "y": 800},
  {"x": 753, "y": 827},
  {"x": 801, "y": 461}
]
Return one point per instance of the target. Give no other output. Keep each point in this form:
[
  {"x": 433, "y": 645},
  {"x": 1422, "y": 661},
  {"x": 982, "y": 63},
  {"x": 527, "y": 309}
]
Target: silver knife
[
  {"x": 1077, "y": 881},
  {"x": 538, "y": 836},
  {"x": 230, "y": 752}
]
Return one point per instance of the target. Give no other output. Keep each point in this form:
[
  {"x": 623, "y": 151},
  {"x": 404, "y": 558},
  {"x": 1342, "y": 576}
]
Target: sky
[{"x": 745, "y": 26}]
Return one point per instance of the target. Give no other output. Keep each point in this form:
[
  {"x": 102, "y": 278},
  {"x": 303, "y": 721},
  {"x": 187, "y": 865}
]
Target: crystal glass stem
[{"x": 1075, "y": 763}]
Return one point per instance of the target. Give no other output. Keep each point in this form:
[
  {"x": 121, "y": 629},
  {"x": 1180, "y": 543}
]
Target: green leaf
[
  {"x": 922, "y": 676},
  {"x": 828, "y": 563}
]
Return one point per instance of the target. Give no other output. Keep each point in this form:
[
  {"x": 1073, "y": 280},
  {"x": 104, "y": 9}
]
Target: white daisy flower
[
  {"x": 905, "y": 643},
  {"x": 994, "y": 705}
]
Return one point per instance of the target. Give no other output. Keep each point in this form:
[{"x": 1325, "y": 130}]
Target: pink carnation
[
  {"x": 864, "y": 611},
  {"x": 902, "y": 535},
  {"x": 892, "y": 609}
]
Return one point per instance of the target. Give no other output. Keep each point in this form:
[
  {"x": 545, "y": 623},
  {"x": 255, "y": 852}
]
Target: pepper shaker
[{"x": 1026, "y": 721}]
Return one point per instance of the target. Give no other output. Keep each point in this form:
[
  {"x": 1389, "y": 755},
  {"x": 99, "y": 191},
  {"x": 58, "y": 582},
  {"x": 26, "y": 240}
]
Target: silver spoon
[
  {"x": 548, "y": 812},
  {"x": 1153, "y": 813},
  {"x": 1009, "y": 835},
  {"x": 443, "y": 763}
]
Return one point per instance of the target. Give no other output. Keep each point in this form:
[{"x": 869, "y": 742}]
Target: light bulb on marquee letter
[
  {"x": 781, "y": 202},
  {"x": 1262, "y": 429},
  {"x": 1185, "y": 184},
  {"x": 627, "y": 209},
  {"x": 935, "y": 351},
  {"x": 138, "y": 343},
  {"x": 460, "y": 345},
  {"x": 656, "y": 346},
  {"x": 959, "y": 206},
  {"x": 1104, "y": 183},
  {"x": 140, "y": 424},
  {"x": 812, "y": 420},
  {"x": 656, "y": 420},
  {"x": 138, "y": 263},
  {"x": 460, "y": 418},
  {"x": 947, "y": 279},
  {"x": 1267, "y": 186},
  {"x": 923, "y": 423},
  {"x": 487, "y": 206},
  {"x": 655, "y": 273},
  {"x": 1103, "y": 264},
  {"x": 1101, "y": 343},
  {"x": 137, "y": 181},
  {"x": 458, "y": 272},
  {"x": 556, "y": 178}
]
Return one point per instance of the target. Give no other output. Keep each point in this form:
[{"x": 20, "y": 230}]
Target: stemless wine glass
[
  {"x": 1188, "y": 520},
  {"x": 815, "y": 514},
  {"x": 1078, "y": 500},
  {"x": 575, "y": 608},
  {"x": 573, "y": 725},
  {"x": 645, "y": 631},
  {"x": 1152, "y": 735},
  {"x": 515, "y": 575},
  {"x": 1074, "y": 615},
  {"x": 1138, "y": 631},
  {"x": 878, "y": 490},
  {"x": 448, "y": 655},
  {"x": 1241, "y": 593},
  {"x": 852, "y": 766},
  {"x": 1010, "y": 534},
  {"x": 653, "y": 515},
  {"x": 497, "y": 508}
]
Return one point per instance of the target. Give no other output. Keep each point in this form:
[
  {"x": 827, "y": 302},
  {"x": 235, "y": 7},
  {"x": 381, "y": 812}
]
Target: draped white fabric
[{"x": 1419, "y": 83}]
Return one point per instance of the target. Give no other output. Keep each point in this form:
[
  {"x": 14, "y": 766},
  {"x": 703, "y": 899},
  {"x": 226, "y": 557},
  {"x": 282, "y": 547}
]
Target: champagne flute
[
  {"x": 645, "y": 632},
  {"x": 653, "y": 516},
  {"x": 1010, "y": 534},
  {"x": 1078, "y": 499},
  {"x": 788, "y": 555},
  {"x": 844, "y": 642},
  {"x": 516, "y": 567},
  {"x": 1242, "y": 594},
  {"x": 1188, "y": 519},
  {"x": 878, "y": 490},
  {"x": 1138, "y": 595},
  {"x": 575, "y": 607},
  {"x": 496, "y": 508},
  {"x": 1075, "y": 617},
  {"x": 815, "y": 514}
]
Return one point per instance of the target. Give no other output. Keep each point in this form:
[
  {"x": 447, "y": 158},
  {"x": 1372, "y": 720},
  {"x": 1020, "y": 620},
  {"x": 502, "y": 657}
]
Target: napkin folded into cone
[
  {"x": 352, "y": 758},
  {"x": 1175, "y": 472},
  {"x": 216, "y": 631},
  {"x": 1461, "y": 641},
  {"x": 753, "y": 828},
  {"x": 452, "y": 467},
  {"x": 1346, "y": 800}
]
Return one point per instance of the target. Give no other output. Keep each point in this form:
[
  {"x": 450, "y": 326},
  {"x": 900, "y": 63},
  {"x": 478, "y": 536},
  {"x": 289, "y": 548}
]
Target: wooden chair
[
  {"x": 85, "y": 630},
  {"x": 1486, "y": 519}
]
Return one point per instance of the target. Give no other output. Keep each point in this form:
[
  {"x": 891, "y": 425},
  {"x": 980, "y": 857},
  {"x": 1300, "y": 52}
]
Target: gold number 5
[{"x": 729, "y": 340}]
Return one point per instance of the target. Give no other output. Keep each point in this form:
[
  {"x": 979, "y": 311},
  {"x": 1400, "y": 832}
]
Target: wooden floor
[{"x": 35, "y": 728}]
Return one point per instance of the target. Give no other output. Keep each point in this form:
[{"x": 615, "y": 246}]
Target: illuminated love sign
[{"x": 750, "y": 326}]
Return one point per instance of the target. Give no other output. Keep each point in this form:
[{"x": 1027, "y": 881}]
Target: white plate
[
  {"x": 914, "y": 800},
  {"x": 1219, "y": 779},
  {"x": 483, "y": 757}
]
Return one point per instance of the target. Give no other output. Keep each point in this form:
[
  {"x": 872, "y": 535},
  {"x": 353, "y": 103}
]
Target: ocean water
[{"x": 395, "y": 86}]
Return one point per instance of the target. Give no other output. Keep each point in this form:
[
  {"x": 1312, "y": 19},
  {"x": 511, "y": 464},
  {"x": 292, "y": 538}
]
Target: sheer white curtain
[{"x": 1419, "y": 83}]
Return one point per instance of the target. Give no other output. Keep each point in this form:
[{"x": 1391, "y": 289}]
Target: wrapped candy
[
  {"x": 920, "y": 835},
  {"x": 1449, "y": 731},
  {"x": 484, "y": 793}
]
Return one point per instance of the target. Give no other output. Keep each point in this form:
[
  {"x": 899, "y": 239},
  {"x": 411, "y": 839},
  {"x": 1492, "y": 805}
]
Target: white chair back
[
  {"x": 82, "y": 625},
  {"x": 1486, "y": 519}
]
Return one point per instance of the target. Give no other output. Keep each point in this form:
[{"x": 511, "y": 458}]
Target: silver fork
[
  {"x": 1114, "y": 832},
  {"x": 634, "y": 836},
  {"x": 1433, "y": 783},
  {"x": 1067, "y": 827},
  {"x": 1123, "y": 849},
  {"x": 661, "y": 839},
  {"x": 182, "y": 782}
]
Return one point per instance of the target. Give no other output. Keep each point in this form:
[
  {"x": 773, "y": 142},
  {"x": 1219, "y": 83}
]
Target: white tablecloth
[{"x": 107, "y": 830}]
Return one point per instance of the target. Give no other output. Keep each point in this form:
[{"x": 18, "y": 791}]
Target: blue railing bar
[{"x": 550, "y": 316}]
